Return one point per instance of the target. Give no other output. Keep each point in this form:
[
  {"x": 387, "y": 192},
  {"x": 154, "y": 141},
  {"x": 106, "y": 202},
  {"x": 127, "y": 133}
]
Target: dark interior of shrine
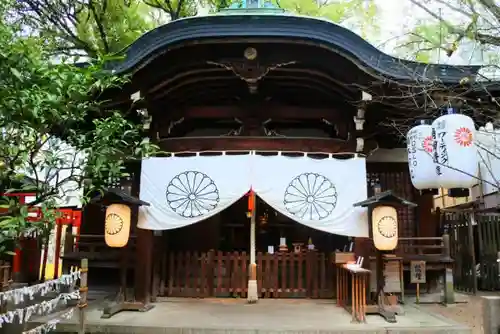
[{"x": 229, "y": 231}]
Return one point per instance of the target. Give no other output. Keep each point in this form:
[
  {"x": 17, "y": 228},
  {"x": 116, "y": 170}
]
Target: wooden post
[
  {"x": 252, "y": 295},
  {"x": 84, "y": 269},
  {"x": 57, "y": 255},
  {"x": 472, "y": 250},
  {"x": 446, "y": 246},
  {"x": 68, "y": 248},
  {"x": 143, "y": 266}
]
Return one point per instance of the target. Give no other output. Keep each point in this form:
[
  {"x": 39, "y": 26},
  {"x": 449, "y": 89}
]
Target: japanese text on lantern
[
  {"x": 434, "y": 147},
  {"x": 441, "y": 157},
  {"x": 412, "y": 150}
]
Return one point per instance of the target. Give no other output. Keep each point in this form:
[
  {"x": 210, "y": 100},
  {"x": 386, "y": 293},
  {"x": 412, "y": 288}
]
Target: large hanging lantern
[
  {"x": 455, "y": 153},
  {"x": 117, "y": 225},
  {"x": 420, "y": 157},
  {"x": 385, "y": 227}
]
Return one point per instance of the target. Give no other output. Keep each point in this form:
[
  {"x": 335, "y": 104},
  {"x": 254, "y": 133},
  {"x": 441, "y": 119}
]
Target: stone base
[
  {"x": 114, "y": 308},
  {"x": 491, "y": 310},
  {"x": 253, "y": 295}
]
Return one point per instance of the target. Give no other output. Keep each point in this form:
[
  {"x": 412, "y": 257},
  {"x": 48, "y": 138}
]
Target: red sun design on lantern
[
  {"x": 463, "y": 136},
  {"x": 427, "y": 144}
]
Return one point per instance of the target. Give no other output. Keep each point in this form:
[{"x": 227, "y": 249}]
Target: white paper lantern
[
  {"x": 385, "y": 227},
  {"x": 117, "y": 225},
  {"x": 455, "y": 153},
  {"x": 420, "y": 157}
]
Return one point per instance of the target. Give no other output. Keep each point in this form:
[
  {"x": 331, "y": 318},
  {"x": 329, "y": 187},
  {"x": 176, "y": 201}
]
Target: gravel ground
[{"x": 469, "y": 314}]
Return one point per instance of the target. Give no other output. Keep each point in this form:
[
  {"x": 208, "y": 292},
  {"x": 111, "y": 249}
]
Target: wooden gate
[
  {"x": 460, "y": 228},
  {"x": 488, "y": 235},
  {"x": 218, "y": 274}
]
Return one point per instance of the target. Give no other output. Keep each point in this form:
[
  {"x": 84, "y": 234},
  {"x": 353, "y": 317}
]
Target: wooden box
[
  {"x": 344, "y": 257},
  {"x": 392, "y": 275}
]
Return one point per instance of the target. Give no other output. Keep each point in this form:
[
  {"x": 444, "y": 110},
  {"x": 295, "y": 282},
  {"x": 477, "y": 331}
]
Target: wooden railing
[
  {"x": 281, "y": 275},
  {"x": 433, "y": 246},
  {"x": 434, "y": 250}
]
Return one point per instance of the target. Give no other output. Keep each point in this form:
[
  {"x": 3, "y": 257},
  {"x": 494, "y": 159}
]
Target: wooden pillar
[
  {"x": 144, "y": 248},
  {"x": 427, "y": 222},
  {"x": 253, "y": 294},
  {"x": 363, "y": 247},
  {"x": 143, "y": 265}
]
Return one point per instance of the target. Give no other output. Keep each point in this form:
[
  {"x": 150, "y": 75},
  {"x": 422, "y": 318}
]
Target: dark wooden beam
[
  {"x": 312, "y": 145},
  {"x": 266, "y": 111},
  {"x": 144, "y": 265},
  {"x": 144, "y": 251}
]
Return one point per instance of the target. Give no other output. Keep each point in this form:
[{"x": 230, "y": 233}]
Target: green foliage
[
  {"x": 101, "y": 27},
  {"x": 49, "y": 144},
  {"x": 87, "y": 27},
  {"x": 453, "y": 26},
  {"x": 338, "y": 11},
  {"x": 108, "y": 26},
  {"x": 176, "y": 9}
]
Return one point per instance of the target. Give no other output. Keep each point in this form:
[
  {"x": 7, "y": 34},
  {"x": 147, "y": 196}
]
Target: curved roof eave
[{"x": 294, "y": 27}]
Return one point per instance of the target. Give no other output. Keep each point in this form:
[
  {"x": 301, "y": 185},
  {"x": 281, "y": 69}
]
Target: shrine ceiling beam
[
  {"x": 268, "y": 111},
  {"x": 296, "y": 73},
  {"x": 196, "y": 95},
  {"x": 236, "y": 143},
  {"x": 303, "y": 80}
]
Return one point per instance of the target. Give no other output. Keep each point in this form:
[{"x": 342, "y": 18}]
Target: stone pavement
[
  {"x": 469, "y": 312},
  {"x": 225, "y": 316}
]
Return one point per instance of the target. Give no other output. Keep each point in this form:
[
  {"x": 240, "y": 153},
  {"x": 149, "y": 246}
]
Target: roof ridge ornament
[{"x": 252, "y": 6}]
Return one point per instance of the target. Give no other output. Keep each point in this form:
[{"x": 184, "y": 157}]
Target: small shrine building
[{"x": 299, "y": 112}]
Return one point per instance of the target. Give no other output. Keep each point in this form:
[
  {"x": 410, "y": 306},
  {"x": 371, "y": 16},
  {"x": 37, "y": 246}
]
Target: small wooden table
[{"x": 355, "y": 301}]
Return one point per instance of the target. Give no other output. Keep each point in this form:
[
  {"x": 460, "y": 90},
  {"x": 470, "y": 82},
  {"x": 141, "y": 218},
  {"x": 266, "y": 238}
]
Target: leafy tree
[
  {"x": 88, "y": 27},
  {"x": 359, "y": 15},
  {"x": 55, "y": 135},
  {"x": 468, "y": 32},
  {"x": 92, "y": 27},
  {"x": 176, "y": 9},
  {"x": 450, "y": 26}
]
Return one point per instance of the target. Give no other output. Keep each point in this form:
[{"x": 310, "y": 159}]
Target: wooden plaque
[{"x": 417, "y": 270}]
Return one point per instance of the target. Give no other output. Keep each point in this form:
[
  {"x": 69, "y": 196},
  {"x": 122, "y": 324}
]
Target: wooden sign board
[{"x": 417, "y": 272}]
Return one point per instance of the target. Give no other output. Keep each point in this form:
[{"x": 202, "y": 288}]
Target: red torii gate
[{"x": 67, "y": 217}]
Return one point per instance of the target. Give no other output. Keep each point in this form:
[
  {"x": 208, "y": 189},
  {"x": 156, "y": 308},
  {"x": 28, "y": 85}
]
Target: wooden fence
[
  {"x": 5, "y": 276},
  {"x": 460, "y": 229},
  {"x": 488, "y": 239},
  {"x": 219, "y": 274},
  {"x": 475, "y": 248}
]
